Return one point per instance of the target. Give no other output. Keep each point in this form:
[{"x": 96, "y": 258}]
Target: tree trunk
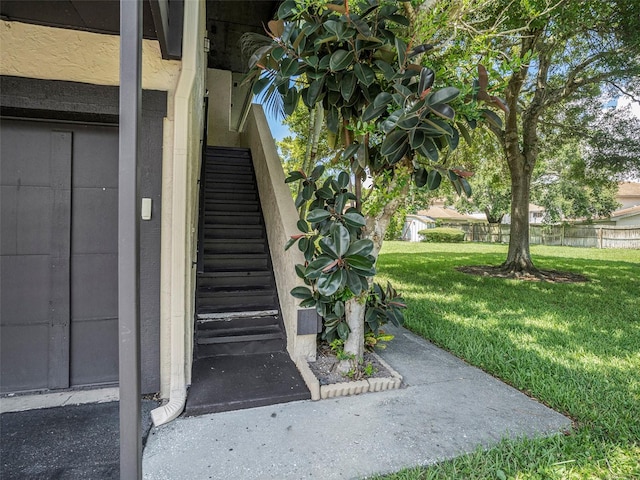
[
  {"x": 518, "y": 257},
  {"x": 354, "y": 310},
  {"x": 356, "y": 307}
]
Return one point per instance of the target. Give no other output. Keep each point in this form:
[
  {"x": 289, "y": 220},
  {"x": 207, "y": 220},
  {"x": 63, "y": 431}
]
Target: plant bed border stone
[{"x": 355, "y": 387}]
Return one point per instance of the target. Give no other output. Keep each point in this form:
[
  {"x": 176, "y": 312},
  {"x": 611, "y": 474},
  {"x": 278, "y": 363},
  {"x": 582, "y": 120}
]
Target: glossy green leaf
[
  {"x": 386, "y": 69},
  {"x": 360, "y": 263},
  {"x": 317, "y": 172},
  {"x": 334, "y": 27},
  {"x": 303, "y": 226},
  {"x": 289, "y": 67},
  {"x": 372, "y": 112},
  {"x": 313, "y": 92},
  {"x": 302, "y": 293},
  {"x": 260, "y": 85},
  {"x": 323, "y": 64},
  {"x": 408, "y": 122},
  {"x": 436, "y": 125},
  {"x": 433, "y": 180},
  {"x": 365, "y": 73},
  {"x": 420, "y": 176},
  {"x": 324, "y": 193},
  {"x": 443, "y": 95},
  {"x": 343, "y": 331},
  {"x": 456, "y": 184},
  {"x": 348, "y": 85},
  {"x": 338, "y": 309},
  {"x": 399, "y": 154},
  {"x": 464, "y": 132},
  {"x": 361, "y": 26},
  {"x": 466, "y": 188},
  {"x": 301, "y": 271},
  {"x": 331, "y": 283},
  {"x": 341, "y": 240},
  {"x": 355, "y": 282},
  {"x": 393, "y": 142},
  {"x": 399, "y": 19},
  {"x": 443, "y": 110},
  {"x": 332, "y": 119},
  {"x": 453, "y": 140},
  {"x": 382, "y": 99},
  {"x": 343, "y": 180},
  {"x": 318, "y": 215},
  {"x": 328, "y": 247},
  {"x": 295, "y": 176},
  {"x": 291, "y": 100},
  {"x": 417, "y": 138},
  {"x": 429, "y": 150},
  {"x": 315, "y": 268},
  {"x": 340, "y": 60},
  {"x": 401, "y": 50},
  {"x": 350, "y": 151},
  {"x": 360, "y": 247},
  {"x": 354, "y": 219},
  {"x": 310, "y": 302},
  {"x": 290, "y": 243},
  {"x": 492, "y": 118},
  {"x": 287, "y": 9},
  {"x": 307, "y": 192},
  {"x": 426, "y": 80}
]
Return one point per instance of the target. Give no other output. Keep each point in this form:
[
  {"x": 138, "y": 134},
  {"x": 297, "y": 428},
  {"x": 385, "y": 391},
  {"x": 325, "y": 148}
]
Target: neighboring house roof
[
  {"x": 628, "y": 189},
  {"x": 442, "y": 213},
  {"x": 535, "y": 208},
  {"x": 625, "y": 212}
]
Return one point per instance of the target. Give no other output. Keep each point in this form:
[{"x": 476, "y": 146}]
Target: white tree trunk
[{"x": 354, "y": 310}]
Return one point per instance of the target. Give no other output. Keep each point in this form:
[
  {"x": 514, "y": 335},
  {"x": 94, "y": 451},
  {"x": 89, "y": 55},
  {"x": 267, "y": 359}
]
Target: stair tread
[
  {"x": 235, "y": 337},
  {"x": 234, "y": 291},
  {"x": 228, "y": 316},
  {"x": 248, "y": 273}
]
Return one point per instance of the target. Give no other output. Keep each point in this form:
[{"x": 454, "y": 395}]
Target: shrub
[{"x": 442, "y": 235}]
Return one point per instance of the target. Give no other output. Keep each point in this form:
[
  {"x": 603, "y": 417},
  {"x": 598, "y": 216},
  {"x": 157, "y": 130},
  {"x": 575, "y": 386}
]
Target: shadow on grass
[{"x": 573, "y": 346}]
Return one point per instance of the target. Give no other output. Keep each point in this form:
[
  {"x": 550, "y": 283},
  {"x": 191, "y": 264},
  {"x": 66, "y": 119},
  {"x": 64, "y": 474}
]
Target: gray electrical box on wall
[{"x": 309, "y": 322}]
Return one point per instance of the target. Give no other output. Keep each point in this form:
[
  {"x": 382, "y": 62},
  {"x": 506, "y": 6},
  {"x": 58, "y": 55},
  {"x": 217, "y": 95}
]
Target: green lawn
[{"x": 574, "y": 347}]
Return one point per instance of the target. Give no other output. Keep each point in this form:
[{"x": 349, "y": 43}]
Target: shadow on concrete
[{"x": 70, "y": 442}]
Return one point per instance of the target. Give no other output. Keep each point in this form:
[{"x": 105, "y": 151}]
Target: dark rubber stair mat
[{"x": 234, "y": 382}]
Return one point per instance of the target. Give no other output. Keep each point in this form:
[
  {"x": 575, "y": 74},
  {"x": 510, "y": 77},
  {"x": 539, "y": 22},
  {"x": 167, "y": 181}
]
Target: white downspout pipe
[{"x": 179, "y": 259}]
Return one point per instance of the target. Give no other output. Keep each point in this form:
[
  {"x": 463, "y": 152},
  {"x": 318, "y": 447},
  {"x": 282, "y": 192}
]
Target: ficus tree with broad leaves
[{"x": 390, "y": 120}]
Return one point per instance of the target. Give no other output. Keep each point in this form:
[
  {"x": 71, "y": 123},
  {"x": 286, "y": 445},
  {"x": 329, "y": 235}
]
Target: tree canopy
[{"x": 536, "y": 58}]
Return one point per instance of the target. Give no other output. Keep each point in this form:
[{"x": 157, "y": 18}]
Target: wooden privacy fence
[{"x": 590, "y": 236}]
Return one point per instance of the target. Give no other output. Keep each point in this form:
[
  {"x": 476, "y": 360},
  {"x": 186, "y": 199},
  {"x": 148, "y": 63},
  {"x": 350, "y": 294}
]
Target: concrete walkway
[{"x": 448, "y": 408}]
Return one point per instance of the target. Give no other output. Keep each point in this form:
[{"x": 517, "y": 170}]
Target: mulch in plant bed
[
  {"x": 551, "y": 276},
  {"x": 324, "y": 368}
]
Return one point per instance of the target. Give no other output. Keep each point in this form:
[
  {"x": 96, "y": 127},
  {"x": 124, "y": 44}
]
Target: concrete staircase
[{"x": 238, "y": 329}]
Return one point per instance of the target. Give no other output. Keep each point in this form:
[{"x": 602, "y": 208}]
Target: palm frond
[
  {"x": 272, "y": 101},
  {"x": 251, "y": 42}
]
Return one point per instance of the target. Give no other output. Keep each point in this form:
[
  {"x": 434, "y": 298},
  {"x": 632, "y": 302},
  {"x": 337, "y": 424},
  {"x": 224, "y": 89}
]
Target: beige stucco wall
[
  {"x": 280, "y": 220},
  {"x": 219, "y": 133},
  {"x": 49, "y": 53}
]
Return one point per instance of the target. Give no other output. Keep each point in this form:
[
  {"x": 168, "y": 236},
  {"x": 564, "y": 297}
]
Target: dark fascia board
[
  {"x": 168, "y": 19},
  {"x": 69, "y": 101}
]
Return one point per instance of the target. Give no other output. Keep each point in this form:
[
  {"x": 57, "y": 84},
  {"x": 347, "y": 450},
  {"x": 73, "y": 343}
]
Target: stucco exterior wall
[
  {"x": 280, "y": 220},
  {"x": 36, "y": 51},
  {"x": 219, "y": 85}
]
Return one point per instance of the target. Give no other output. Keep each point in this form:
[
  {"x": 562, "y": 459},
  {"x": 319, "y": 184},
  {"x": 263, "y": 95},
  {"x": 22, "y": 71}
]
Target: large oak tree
[{"x": 540, "y": 56}]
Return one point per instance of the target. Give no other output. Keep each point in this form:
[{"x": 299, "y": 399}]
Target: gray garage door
[{"x": 58, "y": 290}]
